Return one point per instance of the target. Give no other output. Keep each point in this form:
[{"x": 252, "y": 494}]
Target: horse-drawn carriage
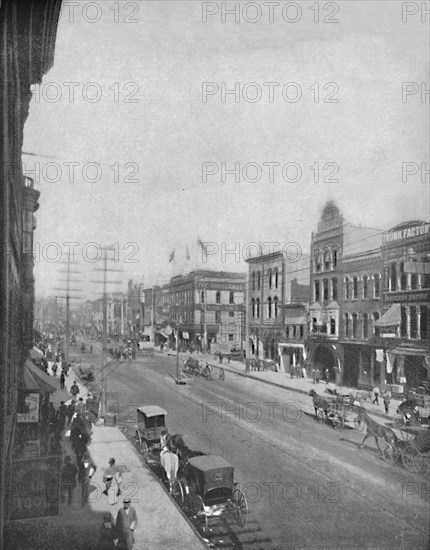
[
  {"x": 151, "y": 425},
  {"x": 334, "y": 407},
  {"x": 199, "y": 368},
  {"x": 209, "y": 491},
  {"x": 412, "y": 448}
]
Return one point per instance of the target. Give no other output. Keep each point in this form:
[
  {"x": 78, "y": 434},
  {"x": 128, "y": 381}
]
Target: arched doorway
[{"x": 325, "y": 358}]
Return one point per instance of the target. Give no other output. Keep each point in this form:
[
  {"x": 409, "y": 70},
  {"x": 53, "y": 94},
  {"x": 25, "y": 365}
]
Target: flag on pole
[
  {"x": 188, "y": 254},
  {"x": 203, "y": 247},
  {"x": 172, "y": 256}
]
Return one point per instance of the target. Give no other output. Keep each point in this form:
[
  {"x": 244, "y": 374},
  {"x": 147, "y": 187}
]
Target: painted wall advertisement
[
  {"x": 34, "y": 489},
  {"x": 31, "y": 413}
]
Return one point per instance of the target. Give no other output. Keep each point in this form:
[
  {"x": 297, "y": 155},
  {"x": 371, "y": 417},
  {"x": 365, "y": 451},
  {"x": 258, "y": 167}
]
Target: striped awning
[{"x": 391, "y": 318}]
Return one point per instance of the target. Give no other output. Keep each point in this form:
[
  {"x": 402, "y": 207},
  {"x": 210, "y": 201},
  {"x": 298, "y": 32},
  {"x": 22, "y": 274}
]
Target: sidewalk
[
  {"x": 161, "y": 524},
  {"x": 299, "y": 385}
]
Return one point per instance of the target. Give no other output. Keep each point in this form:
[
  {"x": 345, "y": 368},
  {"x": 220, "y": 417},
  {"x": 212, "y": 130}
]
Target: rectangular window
[
  {"x": 414, "y": 322},
  {"x": 403, "y": 331},
  {"x": 346, "y": 325},
  {"x": 325, "y": 286},
  {"x": 334, "y": 289},
  {"x": 217, "y": 316},
  {"x": 302, "y": 331},
  {"x": 231, "y": 298},
  {"x": 317, "y": 291},
  {"x": 423, "y": 322},
  {"x": 231, "y": 313},
  {"x": 231, "y": 337}
]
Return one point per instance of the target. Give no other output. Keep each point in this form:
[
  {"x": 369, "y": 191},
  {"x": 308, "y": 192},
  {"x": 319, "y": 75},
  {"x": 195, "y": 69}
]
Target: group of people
[{"x": 123, "y": 353}]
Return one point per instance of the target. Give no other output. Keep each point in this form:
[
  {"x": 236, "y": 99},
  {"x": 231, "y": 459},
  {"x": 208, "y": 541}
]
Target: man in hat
[
  {"x": 107, "y": 533},
  {"x": 112, "y": 479},
  {"x": 74, "y": 390},
  {"x": 126, "y": 521}
]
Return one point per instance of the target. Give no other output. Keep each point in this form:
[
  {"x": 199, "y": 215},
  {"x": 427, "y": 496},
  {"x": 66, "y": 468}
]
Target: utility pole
[{"x": 105, "y": 282}]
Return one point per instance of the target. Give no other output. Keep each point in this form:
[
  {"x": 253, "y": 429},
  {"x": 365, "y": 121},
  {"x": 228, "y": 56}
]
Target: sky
[{"x": 130, "y": 133}]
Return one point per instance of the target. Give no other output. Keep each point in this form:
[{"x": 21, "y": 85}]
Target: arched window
[
  {"x": 276, "y": 278},
  {"x": 375, "y": 318},
  {"x": 355, "y": 288},
  {"x": 377, "y": 285},
  {"x": 269, "y": 276},
  {"x": 354, "y": 325},
  {"x": 253, "y": 307},
  {"x": 332, "y": 326},
  {"x": 317, "y": 261},
  {"x": 258, "y": 280},
  {"x": 346, "y": 325},
  {"x": 269, "y": 308},
  {"x": 365, "y": 287},
  {"x": 334, "y": 257},
  {"x": 365, "y": 325},
  {"x": 253, "y": 280},
  {"x": 276, "y": 306},
  {"x": 218, "y": 297},
  {"x": 258, "y": 307},
  {"x": 347, "y": 295},
  {"x": 326, "y": 260}
]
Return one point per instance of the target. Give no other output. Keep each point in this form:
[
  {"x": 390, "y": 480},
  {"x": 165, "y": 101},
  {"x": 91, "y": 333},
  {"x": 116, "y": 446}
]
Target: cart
[
  {"x": 151, "y": 424},
  {"x": 341, "y": 409},
  {"x": 200, "y": 368},
  {"x": 209, "y": 491}
]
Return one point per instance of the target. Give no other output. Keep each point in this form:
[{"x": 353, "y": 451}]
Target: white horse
[{"x": 170, "y": 463}]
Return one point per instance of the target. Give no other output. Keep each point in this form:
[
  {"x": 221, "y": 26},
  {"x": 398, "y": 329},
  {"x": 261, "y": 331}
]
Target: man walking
[
  {"x": 126, "y": 521},
  {"x": 376, "y": 395},
  {"x": 74, "y": 390}
]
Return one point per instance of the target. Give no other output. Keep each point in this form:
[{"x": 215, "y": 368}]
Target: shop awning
[
  {"x": 390, "y": 318},
  {"x": 36, "y": 354},
  {"x": 45, "y": 382},
  {"x": 28, "y": 382}
]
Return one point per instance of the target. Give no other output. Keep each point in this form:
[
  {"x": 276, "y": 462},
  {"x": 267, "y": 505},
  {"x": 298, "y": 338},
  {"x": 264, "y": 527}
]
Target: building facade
[
  {"x": 404, "y": 329},
  {"x": 206, "y": 307},
  {"x": 278, "y": 292},
  {"x": 333, "y": 310}
]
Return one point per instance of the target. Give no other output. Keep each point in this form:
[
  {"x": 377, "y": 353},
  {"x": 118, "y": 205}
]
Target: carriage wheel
[
  {"x": 142, "y": 446},
  {"x": 178, "y": 492},
  {"x": 413, "y": 460},
  {"x": 221, "y": 374},
  {"x": 197, "y": 513},
  {"x": 391, "y": 454},
  {"x": 241, "y": 507}
]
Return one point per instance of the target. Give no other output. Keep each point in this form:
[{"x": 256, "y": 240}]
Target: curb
[{"x": 289, "y": 388}]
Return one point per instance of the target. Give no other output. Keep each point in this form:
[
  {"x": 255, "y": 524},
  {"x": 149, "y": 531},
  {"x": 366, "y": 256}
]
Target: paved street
[{"x": 307, "y": 485}]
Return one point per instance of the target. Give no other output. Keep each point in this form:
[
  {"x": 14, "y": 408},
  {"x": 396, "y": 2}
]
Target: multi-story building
[
  {"x": 207, "y": 307},
  {"x": 404, "y": 326},
  {"x": 361, "y": 308},
  {"x": 334, "y": 240},
  {"x": 273, "y": 283}
]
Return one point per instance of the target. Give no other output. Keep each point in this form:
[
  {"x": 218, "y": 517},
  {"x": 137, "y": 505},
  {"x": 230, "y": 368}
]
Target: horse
[
  {"x": 170, "y": 463},
  {"x": 319, "y": 403},
  {"x": 378, "y": 431}
]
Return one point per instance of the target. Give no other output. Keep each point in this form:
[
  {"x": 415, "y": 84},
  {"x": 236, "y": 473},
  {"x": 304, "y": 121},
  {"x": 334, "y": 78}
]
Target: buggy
[
  {"x": 209, "y": 491},
  {"x": 412, "y": 449},
  {"x": 151, "y": 425}
]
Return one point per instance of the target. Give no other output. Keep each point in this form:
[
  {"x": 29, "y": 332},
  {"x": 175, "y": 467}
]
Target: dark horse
[
  {"x": 376, "y": 430},
  {"x": 176, "y": 444}
]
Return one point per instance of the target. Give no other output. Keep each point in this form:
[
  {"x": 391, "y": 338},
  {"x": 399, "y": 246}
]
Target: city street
[{"x": 307, "y": 485}]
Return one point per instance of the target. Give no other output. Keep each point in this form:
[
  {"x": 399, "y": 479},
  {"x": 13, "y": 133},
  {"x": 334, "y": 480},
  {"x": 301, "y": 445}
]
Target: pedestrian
[
  {"x": 71, "y": 411},
  {"x": 387, "y": 399},
  {"x": 66, "y": 368},
  {"x": 87, "y": 469},
  {"x": 62, "y": 379},
  {"x": 74, "y": 390},
  {"x": 376, "y": 395},
  {"x": 61, "y": 417},
  {"x": 107, "y": 533},
  {"x": 126, "y": 521},
  {"x": 80, "y": 406},
  {"x": 54, "y": 369},
  {"x": 68, "y": 480},
  {"x": 112, "y": 479}
]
